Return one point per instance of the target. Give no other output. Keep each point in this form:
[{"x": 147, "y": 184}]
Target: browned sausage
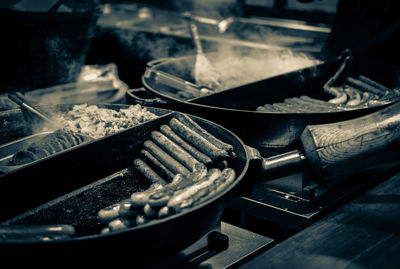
[
  {"x": 375, "y": 84},
  {"x": 201, "y": 157},
  {"x": 198, "y": 129},
  {"x": 148, "y": 172},
  {"x": 165, "y": 158},
  {"x": 174, "y": 150},
  {"x": 198, "y": 141},
  {"x": 164, "y": 171},
  {"x": 358, "y": 84}
]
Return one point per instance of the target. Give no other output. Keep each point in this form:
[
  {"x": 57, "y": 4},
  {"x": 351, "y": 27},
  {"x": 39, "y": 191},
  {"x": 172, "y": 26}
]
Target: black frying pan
[
  {"x": 235, "y": 108},
  {"x": 94, "y": 162},
  {"x": 149, "y": 242}
]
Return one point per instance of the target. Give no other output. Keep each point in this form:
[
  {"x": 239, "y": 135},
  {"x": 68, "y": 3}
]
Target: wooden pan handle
[{"x": 338, "y": 150}]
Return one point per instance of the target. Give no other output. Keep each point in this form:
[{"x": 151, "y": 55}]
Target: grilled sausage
[
  {"x": 225, "y": 178},
  {"x": 312, "y": 105},
  {"x": 120, "y": 224},
  {"x": 201, "y": 157},
  {"x": 147, "y": 172},
  {"x": 375, "y": 84},
  {"x": 128, "y": 210},
  {"x": 200, "y": 188},
  {"x": 161, "y": 197},
  {"x": 198, "y": 129},
  {"x": 360, "y": 85},
  {"x": 110, "y": 212},
  {"x": 198, "y": 141},
  {"x": 46, "y": 146},
  {"x": 41, "y": 232},
  {"x": 354, "y": 97},
  {"x": 150, "y": 211},
  {"x": 287, "y": 108},
  {"x": 165, "y": 158},
  {"x": 340, "y": 95},
  {"x": 174, "y": 150},
  {"x": 142, "y": 198},
  {"x": 267, "y": 108},
  {"x": 164, "y": 212},
  {"x": 164, "y": 171}
]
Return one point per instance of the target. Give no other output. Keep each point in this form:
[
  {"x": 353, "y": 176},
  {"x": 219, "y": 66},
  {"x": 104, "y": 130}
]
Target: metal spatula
[
  {"x": 20, "y": 100},
  {"x": 205, "y": 74}
]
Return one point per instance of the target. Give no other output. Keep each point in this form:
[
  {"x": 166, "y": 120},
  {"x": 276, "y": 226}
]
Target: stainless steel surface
[
  {"x": 243, "y": 245},
  {"x": 283, "y": 164}
]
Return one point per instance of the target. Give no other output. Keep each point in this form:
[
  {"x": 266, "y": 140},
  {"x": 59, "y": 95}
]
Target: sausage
[
  {"x": 266, "y": 108},
  {"x": 375, "y": 84},
  {"x": 198, "y": 141},
  {"x": 149, "y": 173},
  {"x": 128, "y": 210},
  {"x": 174, "y": 150},
  {"x": 340, "y": 95},
  {"x": 201, "y": 157},
  {"x": 142, "y": 198},
  {"x": 313, "y": 104},
  {"x": 123, "y": 208},
  {"x": 198, "y": 129},
  {"x": 354, "y": 98},
  {"x": 164, "y": 171},
  {"x": 358, "y": 84},
  {"x": 120, "y": 224},
  {"x": 161, "y": 197},
  {"x": 150, "y": 211},
  {"x": 110, "y": 212},
  {"x": 165, "y": 158},
  {"x": 224, "y": 179},
  {"x": 303, "y": 106},
  {"x": 164, "y": 212},
  {"x": 36, "y": 232},
  {"x": 194, "y": 190}
]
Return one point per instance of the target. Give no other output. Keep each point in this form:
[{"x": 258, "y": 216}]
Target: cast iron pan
[
  {"x": 102, "y": 167},
  {"x": 235, "y": 108}
]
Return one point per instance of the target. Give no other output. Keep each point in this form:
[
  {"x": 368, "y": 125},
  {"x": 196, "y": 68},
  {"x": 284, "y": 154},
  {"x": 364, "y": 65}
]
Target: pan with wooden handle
[{"x": 332, "y": 152}]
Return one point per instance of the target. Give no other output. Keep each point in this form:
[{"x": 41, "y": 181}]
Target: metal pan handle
[
  {"x": 155, "y": 62},
  {"x": 135, "y": 96}
]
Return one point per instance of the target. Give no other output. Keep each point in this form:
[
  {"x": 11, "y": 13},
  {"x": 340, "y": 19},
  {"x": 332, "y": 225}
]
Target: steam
[
  {"x": 241, "y": 67},
  {"x": 236, "y": 63}
]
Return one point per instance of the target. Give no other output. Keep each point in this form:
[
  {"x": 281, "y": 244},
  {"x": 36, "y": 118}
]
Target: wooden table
[{"x": 364, "y": 233}]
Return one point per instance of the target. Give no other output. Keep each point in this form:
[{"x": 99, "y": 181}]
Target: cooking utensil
[
  {"x": 153, "y": 240},
  {"x": 235, "y": 108},
  {"x": 20, "y": 100},
  {"x": 178, "y": 83},
  {"x": 222, "y": 25},
  {"x": 205, "y": 74}
]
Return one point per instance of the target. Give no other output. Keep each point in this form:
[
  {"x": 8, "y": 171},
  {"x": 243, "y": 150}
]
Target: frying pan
[
  {"x": 22, "y": 129},
  {"x": 235, "y": 108},
  {"x": 162, "y": 237},
  {"x": 101, "y": 168}
]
